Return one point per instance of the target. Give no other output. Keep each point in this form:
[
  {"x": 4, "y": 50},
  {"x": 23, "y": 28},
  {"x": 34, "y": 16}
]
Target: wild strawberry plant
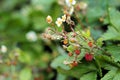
[{"x": 84, "y": 55}]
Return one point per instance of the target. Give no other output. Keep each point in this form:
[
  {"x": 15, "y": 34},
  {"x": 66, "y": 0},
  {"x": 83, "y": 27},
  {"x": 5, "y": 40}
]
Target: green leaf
[
  {"x": 80, "y": 70},
  {"x": 115, "y": 52},
  {"x": 58, "y": 62},
  {"x": 107, "y": 62},
  {"x": 82, "y": 54},
  {"x": 99, "y": 42},
  {"x": 25, "y": 74},
  {"x": 114, "y": 16},
  {"x": 117, "y": 76},
  {"x": 70, "y": 48},
  {"x": 24, "y": 57},
  {"x": 86, "y": 33},
  {"x": 111, "y": 34},
  {"x": 94, "y": 14},
  {"x": 42, "y": 4},
  {"x": 109, "y": 75},
  {"x": 98, "y": 65},
  {"x": 61, "y": 77},
  {"x": 89, "y": 76}
]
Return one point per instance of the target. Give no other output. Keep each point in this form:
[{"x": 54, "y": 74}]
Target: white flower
[
  {"x": 49, "y": 19},
  {"x": 70, "y": 2},
  {"x": 59, "y": 22},
  {"x": 3, "y": 49},
  {"x": 63, "y": 18},
  {"x": 31, "y": 36}
]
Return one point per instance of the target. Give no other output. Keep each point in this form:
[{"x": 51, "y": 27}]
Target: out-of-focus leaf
[
  {"x": 61, "y": 77},
  {"x": 25, "y": 57},
  {"x": 107, "y": 62},
  {"x": 80, "y": 70},
  {"x": 9, "y": 5},
  {"x": 110, "y": 75},
  {"x": 42, "y": 4},
  {"x": 25, "y": 74},
  {"x": 89, "y": 76},
  {"x": 58, "y": 62},
  {"x": 117, "y": 76},
  {"x": 70, "y": 48},
  {"x": 114, "y": 16},
  {"x": 99, "y": 42},
  {"x": 111, "y": 34},
  {"x": 115, "y": 52},
  {"x": 94, "y": 14}
]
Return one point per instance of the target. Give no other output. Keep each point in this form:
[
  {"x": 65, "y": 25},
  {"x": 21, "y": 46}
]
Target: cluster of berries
[
  {"x": 76, "y": 52},
  {"x": 75, "y": 42}
]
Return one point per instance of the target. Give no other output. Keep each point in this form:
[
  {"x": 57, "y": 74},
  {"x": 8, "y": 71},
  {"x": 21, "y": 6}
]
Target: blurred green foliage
[{"x": 17, "y": 18}]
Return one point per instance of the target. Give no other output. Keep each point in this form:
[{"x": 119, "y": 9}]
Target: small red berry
[
  {"x": 88, "y": 57},
  {"x": 70, "y": 54},
  {"x": 75, "y": 63},
  {"x": 90, "y": 44},
  {"x": 77, "y": 51}
]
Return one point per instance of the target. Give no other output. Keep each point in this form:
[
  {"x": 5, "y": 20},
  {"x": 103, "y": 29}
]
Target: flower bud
[
  {"x": 3, "y": 49},
  {"x": 49, "y": 19},
  {"x": 74, "y": 64},
  {"x": 70, "y": 54},
  {"x": 65, "y": 41}
]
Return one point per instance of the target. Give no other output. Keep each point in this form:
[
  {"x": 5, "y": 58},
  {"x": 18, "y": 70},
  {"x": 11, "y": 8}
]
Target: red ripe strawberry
[
  {"x": 75, "y": 63},
  {"x": 90, "y": 44},
  {"x": 77, "y": 51},
  {"x": 88, "y": 57},
  {"x": 70, "y": 54}
]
